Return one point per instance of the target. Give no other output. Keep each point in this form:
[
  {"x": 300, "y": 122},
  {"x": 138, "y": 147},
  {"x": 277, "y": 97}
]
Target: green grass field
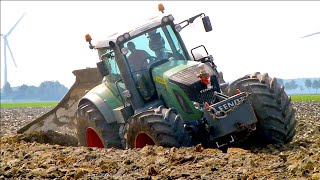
[
  {"x": 27, "y": 104},
  {"x": 294, "y": 98},
  {"x": 305, "y": 97}
]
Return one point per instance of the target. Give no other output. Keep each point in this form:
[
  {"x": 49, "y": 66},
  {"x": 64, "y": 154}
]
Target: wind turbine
[
  {"x": 5, "y": 46},
  {"x": 311, "y": 34}
]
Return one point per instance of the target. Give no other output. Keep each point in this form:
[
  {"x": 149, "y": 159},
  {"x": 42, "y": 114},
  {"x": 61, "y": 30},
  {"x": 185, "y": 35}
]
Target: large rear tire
[
  {"x": 93, "y": 130},
  {"x": 272, "y": 106},
  {"x": 161, "y": 126}
]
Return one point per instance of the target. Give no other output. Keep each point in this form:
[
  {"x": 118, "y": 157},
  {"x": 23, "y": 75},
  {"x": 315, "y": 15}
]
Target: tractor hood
[
  {"x": 184, "y": 74},
  {"x": 178, "y": 72},
  {"x": 178, "y": 84},
  {"x": 163, "y": 72}
]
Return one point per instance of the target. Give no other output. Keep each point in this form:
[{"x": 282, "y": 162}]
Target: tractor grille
[
  {"x": 186, "y": 77},
  {"x": 188, "y": 81},
  {"x": 207, "y": 96}
]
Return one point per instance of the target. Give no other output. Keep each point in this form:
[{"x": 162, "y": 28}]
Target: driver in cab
[
  {"x": 137, "y": 58},
  {"x": 138, "y": 62}
]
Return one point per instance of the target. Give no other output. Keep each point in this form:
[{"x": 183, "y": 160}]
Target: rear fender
[{"x": 105, "y": 100}]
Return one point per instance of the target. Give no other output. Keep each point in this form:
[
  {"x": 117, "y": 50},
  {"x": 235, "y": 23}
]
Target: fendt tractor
[{"x": 148, "y": 89}]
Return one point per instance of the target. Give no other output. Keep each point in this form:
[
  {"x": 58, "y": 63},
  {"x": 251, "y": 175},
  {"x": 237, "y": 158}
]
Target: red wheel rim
[
  {"x": 143, "y": 139},
  {"x": 93, "y": 140}
]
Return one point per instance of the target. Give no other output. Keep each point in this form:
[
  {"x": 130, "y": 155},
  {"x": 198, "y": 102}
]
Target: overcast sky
[{"x": 265, "y": 36}]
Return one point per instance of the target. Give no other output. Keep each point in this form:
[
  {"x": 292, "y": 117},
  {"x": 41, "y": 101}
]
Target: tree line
[
  {"x": 309, "y": 84},
  {"x": 54, "y": 91},
  {"x": 46, "y": 91}
]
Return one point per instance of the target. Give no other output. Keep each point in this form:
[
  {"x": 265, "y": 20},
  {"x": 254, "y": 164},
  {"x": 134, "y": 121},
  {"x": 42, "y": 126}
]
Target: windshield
[{"x": 155, "y": 45}]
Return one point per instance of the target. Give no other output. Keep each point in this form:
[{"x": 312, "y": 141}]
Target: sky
[{"x": 247, "y": 36}]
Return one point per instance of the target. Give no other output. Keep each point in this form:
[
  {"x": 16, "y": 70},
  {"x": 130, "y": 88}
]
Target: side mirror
[
  {"x": 105, "y": 55},
  {"x": 103, "y": 70},
  {"x": 206, "y": 23}
]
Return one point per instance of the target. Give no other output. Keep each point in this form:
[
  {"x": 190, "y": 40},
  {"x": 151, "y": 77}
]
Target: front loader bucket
[{"x": 61, "y": 118}]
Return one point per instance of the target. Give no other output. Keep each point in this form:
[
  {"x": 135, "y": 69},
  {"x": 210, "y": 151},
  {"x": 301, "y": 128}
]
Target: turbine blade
[
  {"x": 7, "y": 44},
  {"x": 15, "y": 25},
  {"x": 311, "y": 34}
]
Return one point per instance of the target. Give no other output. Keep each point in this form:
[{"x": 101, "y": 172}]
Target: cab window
[{"x": 110, "y": 62}]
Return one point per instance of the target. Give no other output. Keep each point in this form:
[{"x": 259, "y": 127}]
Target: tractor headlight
[
  {"x": 171, "y": 18},
  {"x": 183, "y": 102},
  {"x": 165, "y": 19},
  {"x": 120, "y": 38},
  {"x": 178, "y": 27},
  {"x": 126, "y": 35}
]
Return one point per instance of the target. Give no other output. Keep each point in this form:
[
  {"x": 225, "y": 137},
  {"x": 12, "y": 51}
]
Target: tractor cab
[
  {"x": 148, "y": 50},
  {"x": 143, "y": 49}
]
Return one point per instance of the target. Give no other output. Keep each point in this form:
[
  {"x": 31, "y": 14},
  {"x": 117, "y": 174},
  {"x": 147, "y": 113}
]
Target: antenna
[{"x": 6, "y": 45}]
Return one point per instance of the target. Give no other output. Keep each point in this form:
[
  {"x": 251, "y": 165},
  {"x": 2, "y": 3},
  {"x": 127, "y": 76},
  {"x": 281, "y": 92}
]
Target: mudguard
[{"x": 105, "y": 100}]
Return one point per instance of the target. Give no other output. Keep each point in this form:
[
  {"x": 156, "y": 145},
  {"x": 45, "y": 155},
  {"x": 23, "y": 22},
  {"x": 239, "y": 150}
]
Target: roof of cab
[{"x": 152, "y": 22}]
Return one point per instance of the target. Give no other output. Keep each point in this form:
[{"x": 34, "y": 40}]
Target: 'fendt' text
[{"x": 230, "y": 104}]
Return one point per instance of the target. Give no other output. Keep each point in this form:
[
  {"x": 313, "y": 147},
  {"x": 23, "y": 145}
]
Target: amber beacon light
[
  {"x": 161, "y": 7},
  {"x": 88, "y": 38}
]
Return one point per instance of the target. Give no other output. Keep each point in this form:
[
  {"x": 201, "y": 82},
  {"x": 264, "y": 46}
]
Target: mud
[{"x": 39, "y": 156}]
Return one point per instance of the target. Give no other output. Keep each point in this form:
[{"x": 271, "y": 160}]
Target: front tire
[
  {"x": 161, "y": 126},
  {"x": 272, "y": 106},
  {"x": 93, "y": 130}
]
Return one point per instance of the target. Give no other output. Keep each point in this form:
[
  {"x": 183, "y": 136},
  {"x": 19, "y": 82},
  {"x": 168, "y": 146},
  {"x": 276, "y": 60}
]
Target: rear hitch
[{"x": 250, "y": 127}]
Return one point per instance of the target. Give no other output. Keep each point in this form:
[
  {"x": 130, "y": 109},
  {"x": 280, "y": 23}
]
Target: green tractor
[{"x": 172, "y": 98}]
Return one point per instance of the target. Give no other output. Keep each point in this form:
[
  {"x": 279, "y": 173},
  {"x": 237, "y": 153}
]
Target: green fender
[{"x": 105, "y": 99}]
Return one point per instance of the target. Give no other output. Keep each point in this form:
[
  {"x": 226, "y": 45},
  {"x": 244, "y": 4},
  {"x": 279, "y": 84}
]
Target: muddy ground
[{"x": 22, "y": 157}]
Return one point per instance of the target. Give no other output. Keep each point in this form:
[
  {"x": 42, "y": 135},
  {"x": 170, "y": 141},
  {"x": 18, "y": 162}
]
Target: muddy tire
[
  {"x": 93, "y": 130},
  {"x": 272, "y": 106},
  {"x": 161, "y": 126}
]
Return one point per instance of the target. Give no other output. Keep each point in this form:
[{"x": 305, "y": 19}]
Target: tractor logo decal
[
  {"x": 159, "y": 80},
  {"x": 230, "y": 104}
]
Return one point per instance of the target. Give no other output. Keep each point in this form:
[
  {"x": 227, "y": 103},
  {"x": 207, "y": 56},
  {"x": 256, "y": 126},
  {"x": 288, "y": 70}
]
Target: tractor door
[{"x": 113, "y": 78}]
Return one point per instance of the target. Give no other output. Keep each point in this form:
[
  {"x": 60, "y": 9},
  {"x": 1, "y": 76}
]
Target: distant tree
[
  {"x": 47, "y": 91},
  {"x": 316, "y": 85},
  {"x": 301, "y": 88},
  {"x": 51, "y": 91},
  {"x": 291, "y": 85},
  {"x": 280, "y": 81},
  {"x": 7, "y": 91},
  {"x": 287, "y": 85},
  {"x": 308, "y": 84},
  {"x": 33, "y": 92},
  {"x": 20, "y": 93}
]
